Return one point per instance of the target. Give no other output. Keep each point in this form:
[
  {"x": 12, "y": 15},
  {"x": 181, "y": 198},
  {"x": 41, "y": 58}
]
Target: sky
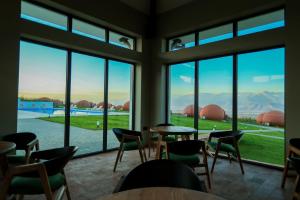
[{"x": 43, "y": 73}]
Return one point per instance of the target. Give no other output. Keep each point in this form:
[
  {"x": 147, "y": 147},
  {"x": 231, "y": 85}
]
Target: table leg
[{"x": 159, "y": 140}]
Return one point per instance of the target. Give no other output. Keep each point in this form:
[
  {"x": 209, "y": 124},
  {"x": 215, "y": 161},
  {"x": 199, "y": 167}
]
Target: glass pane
[
  {"x": 182, "y": 42},
  {"x": 261, "y": 105},
  {"x": 215, "y": 34},
  {"x": 88, "y": 30},
  {"x": 43, "y": 16},
  {"x": 121, "y": 40},
  {"x": 182, "y": 94},
  {"x": 120, "y": 82},
  {"x": 42, "y": 83},
  {"x": 87, "y": 96},
  {"x": 215, "y": 94},
  {"x": 261, "y": 23}
]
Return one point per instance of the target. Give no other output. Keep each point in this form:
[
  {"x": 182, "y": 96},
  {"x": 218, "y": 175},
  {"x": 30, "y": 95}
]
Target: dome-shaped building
[
  {"x": 126, "y": 106},
  {"x": 273, "y": 118},
  {"x": 259, "y": 118},
  {"x": 189, "y": 111},
  {"x": 84, "y": 104},
  {"x": 212, "y": 112}
]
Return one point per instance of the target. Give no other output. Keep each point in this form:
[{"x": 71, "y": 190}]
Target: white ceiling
[{"x": 162, "y": 5}]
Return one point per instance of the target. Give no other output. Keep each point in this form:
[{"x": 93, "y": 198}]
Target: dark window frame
[
  {"x": 68, "y": 91},
  {"x": 70, "y": 18}
]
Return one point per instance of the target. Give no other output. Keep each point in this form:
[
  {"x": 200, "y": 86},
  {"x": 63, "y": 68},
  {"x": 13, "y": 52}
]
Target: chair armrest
[
  {"x": 22, "y": 169},
  {"x": 219, "y": 134},
  {"x": 32, "y": 144}
]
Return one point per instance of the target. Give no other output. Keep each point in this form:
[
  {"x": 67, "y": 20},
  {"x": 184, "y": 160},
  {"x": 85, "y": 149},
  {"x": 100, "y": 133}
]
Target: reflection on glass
[
  {"x": 43, "y": 16},
  {"x": 88, "y": 30},
  {"x": 215, "y": 94},
  {"x": 182, "y": 94},
  {"x": 42, "y": 74},
  {"x": 182, "y": 42},
  {"x": 121, "y": 40},
  {"x": 261, "y": 105},
  {"x": 215, "y": 34},
  {"x": 87, "y": 91},
  {"x": 120, "y": 82},
  {"x": 261, "y": 23}
]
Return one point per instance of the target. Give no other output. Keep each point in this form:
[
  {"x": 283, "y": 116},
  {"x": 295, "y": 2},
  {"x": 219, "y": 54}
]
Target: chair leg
[
  {"x": 206, "y": 166},
  {"x": 67, "y": 187},
  {"x": 121, "y": 156},
  {"x": 296, "y": 194},
  {"x": 239, "y": 156},
  {"x": 286, "y": 169},
  {"x": 144, "y": 152},
  {"x": 229, "y": 157},
  {"x": 45, "y": 183},
  {"x": 118, "y": 156},
  {"x": 215, "y": 157}
]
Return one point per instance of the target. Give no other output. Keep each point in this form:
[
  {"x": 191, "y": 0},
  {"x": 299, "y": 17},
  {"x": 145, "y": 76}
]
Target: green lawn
[
  {"x": 90, "y": 122},
  {"x": 259, "y": 148}
]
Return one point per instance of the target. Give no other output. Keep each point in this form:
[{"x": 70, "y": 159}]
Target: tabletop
[
  {"x": 6, "y": 147},
  {"x": 173, "y": 130},
  {"x": 163, "y": 193}
]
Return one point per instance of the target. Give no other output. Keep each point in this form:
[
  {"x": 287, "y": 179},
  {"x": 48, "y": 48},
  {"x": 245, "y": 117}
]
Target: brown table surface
[
  {"x": 173, "y": 130},
  {"x": 6, "y": 147},
  {"x": 163, "y": 193}
]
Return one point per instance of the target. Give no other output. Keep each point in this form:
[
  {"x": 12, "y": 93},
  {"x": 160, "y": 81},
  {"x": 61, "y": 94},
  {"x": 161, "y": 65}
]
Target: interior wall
[{"x": 9, "y": 56}]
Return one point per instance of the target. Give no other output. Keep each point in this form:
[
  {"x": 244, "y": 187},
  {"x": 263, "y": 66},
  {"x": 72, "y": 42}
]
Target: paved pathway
[{"x": 51, "y": 135}]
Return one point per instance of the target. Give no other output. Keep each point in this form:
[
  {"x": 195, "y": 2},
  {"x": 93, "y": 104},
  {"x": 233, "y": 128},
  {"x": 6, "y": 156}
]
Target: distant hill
[{"x": 249, "y": 104}]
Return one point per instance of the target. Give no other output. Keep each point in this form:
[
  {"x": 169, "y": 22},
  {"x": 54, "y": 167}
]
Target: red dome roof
[
  {"x": 126, "y": 106},
  {"x": 259, "y": 118},
  {"x": 189, "y": 110},
  {"x": 212, "y": 112},
  {"x": 273, "y": 118}
]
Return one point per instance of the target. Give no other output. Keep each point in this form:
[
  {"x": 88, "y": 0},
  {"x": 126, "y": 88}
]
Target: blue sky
[
  {"x": 43, "y": 73},
  {"x": 257, "y": 72}
]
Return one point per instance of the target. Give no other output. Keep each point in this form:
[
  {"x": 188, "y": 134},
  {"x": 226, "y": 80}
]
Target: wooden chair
[
  {"x": 187, "y": 152},
  {"x": 226, "y": 141},
  {"x": 44, "y": 175},
  {"x": 129, "y": 140},
  {"x": 293, "y": 151},
  {"x": 295, "y": 162},
  {"x": 161, "y": 173},
  {"x": 153, "y": 137},
  {"x": 25, "y": 141}
]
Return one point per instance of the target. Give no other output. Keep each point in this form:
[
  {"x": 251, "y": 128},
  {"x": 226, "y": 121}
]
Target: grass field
[{"x": 253, "y": 147}]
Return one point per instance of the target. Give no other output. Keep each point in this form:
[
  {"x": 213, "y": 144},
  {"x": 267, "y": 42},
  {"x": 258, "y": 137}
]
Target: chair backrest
[
  {"x": 236, "y": 134},
  {"x": 185, "y": 147},
  {"x": 119, "y": 132},
  {"x": 20, "y": 139},
  {"x": 162, "y": 173},
  {"x": 54, "y": 159},
  {"x": 165, "y": 124}
]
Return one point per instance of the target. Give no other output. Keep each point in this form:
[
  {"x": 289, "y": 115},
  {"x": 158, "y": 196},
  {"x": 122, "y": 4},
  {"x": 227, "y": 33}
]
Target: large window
[
  {"x": 182, "y": 42},
  {"x": 42, "y": 84},
  {"x": 48, "y": 83},
  {"x": 215, "y": 94},
  {"x": 121, "y": 40},
  {"x": 182, "y": 94},
  {"x": 88, "y": 30},
  {"x": 216, "y": 34},
  {"x": 87, "y": 96},
  {"x": 43, "y": 16},
  {"x": 258, "y": 99},
  {"x": 120, "y": 84},
  {"x": 261, "y": 105}
]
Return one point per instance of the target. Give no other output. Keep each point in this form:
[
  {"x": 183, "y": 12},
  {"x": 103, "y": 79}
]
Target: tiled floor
[{"x": 92, "y": 177}]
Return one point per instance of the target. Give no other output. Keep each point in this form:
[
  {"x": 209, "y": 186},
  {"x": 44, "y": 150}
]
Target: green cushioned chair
[
  {"x": 129, "y": 140},
  {"x": 26, "y": 142},
  {"x": 44, "y": 175},
  {"x": 225, "y": 141},
  {"x": 188, "y": 152}
]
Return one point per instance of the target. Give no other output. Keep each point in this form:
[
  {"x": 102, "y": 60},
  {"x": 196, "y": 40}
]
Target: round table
[
  {"x": 163, "y": 193},
  {"x": 5, "y": 147},
  {"x": 170, "y": 130}
]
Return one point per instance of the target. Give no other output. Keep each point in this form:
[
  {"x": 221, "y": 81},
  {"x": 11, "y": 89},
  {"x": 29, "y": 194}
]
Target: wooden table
[
  {"x": 163, "y": 193},
  {"x": 5, "y": 147},
  {"x": 163, "y": 131}
]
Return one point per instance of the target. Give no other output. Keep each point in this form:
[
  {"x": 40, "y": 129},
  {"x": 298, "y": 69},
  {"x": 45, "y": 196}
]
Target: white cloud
[
  {"x": 189, "y": 65},
  {"x": 186, "y": 79},
  {"x": 261, "y": 79},
  {"x": 277, "y": 77}
]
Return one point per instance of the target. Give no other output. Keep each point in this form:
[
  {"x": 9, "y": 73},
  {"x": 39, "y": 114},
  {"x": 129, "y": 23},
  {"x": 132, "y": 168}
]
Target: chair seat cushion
[
  {"x": 33, "y": 185},
  {"x": 191, "y": 160},
  {"x": 224, "y": 147},
  {"x": 16, "y": 159}
]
